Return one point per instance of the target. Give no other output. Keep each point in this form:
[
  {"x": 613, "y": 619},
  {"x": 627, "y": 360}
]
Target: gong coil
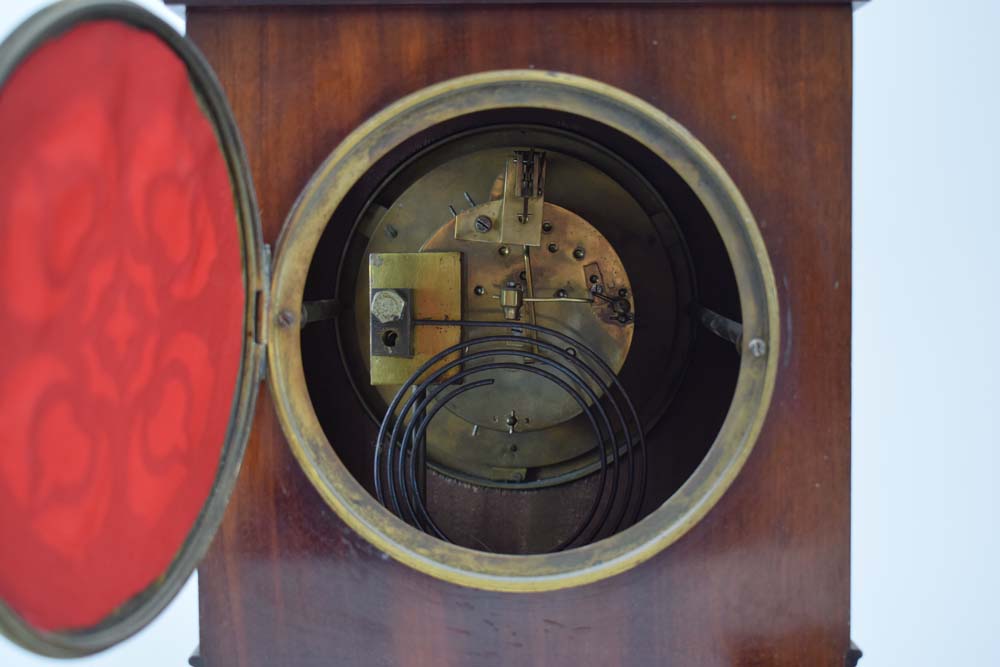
[{"x": 400, "y": 449}]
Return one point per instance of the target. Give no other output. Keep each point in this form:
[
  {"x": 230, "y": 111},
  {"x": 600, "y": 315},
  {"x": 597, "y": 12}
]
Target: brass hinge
[{"x": 262, "y": 301}]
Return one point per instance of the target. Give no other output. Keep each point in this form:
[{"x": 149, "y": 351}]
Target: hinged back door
[{"x": 130, "y": 294}]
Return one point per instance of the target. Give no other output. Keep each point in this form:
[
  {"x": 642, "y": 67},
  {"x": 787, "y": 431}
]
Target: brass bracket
[
  {"x": 523, "y": 199},
  {"x": 511, "y": 300},
  {"x": 515, "y": 218},
  {"x": 403, "y": 287},
  {"x": 262, "y": 301}
]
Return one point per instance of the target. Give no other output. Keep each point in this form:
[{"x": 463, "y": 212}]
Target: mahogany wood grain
[{"x": 764, "y": 579}]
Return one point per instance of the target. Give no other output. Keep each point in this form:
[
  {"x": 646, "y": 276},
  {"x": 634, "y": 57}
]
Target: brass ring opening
[{"x": 679, "y": 151}]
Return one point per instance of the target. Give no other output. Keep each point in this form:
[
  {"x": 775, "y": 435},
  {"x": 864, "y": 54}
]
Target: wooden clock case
[
  {"x": 757, "y": 574},
  {"x": 764, "y": 578}
]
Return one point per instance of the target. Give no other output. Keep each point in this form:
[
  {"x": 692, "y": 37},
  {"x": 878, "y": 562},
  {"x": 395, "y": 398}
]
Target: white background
[{"x": 926, "y": 419}]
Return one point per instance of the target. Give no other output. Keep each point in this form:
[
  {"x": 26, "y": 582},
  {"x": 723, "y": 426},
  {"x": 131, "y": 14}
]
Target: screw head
[
  {"x": 594, "y": 279},
  {"x": 387, "y": 306},
  {"x": 599, "y": 289},
  {"x": 504, "y": 251},
  {"x": 621, "y": 305},
  {"x": 286, "y": 318},
  {"x": 391, "y": 231},
  {"x": 623, "y": 318},
  {"x": 757, "y": 347},
  {"x": 480, "y": 290},
  {"x": 483, "y": 224},
  {"x": 623, "y": 292},
  {"x": 546, "y": 226},
  {"x": 579, "y": 253},
  {"x": 553, "y": 247},
  {"x": 561, "y": 294}
]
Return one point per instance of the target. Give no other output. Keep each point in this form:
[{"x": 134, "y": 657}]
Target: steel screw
[
  {"x": 553, "y": 247},
  {"x": 623, "y": 292},
  {"x": 483, "y": 224},
  {"x": 286, "y": 318},
  {"x": 504, "y": 250},
  {"x": 480, "y": 290},
  {"x": 391, "y": 231},
  {"x": 579, "y": 253},
  {"x": 757, "y": 347},
  {"x": 594, "y": 279},
  {"x": 546, "y": 227},
  {"x": 561, "y": 293}
]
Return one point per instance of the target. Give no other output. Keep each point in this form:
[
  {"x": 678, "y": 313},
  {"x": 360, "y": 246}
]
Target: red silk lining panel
[{"x": 121, "y": 320}]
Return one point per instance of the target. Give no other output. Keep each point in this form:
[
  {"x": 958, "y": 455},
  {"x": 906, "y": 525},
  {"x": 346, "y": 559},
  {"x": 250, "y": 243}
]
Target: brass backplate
[
  {"x": 552, "y": 443},
  {"x": 538, "y": 403},
  {"x": 435, "y": 283}
]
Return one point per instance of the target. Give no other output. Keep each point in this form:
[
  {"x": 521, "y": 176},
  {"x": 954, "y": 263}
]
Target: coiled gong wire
[{"x": 401, "y": 446}]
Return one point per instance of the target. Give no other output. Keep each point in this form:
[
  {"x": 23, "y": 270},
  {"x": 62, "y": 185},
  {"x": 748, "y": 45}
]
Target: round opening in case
[{"x": 522, "y": 330}]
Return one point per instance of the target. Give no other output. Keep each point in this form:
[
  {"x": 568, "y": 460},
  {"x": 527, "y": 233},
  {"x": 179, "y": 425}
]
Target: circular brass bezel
[
  {"x": 667, "y": 139},
  {"x": 141, "y": 609}
]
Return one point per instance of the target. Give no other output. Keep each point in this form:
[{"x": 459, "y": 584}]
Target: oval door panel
[{"x": 125, "y": 221}]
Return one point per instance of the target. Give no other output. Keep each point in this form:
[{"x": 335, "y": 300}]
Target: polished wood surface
[{"x": 764, "y": 579}]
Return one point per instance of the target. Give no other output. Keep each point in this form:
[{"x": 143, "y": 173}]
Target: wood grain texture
[{"x": 764, "y": 579}]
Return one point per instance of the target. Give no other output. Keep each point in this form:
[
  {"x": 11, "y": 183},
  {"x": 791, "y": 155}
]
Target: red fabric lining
[{"x": 121, "y": 316}]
